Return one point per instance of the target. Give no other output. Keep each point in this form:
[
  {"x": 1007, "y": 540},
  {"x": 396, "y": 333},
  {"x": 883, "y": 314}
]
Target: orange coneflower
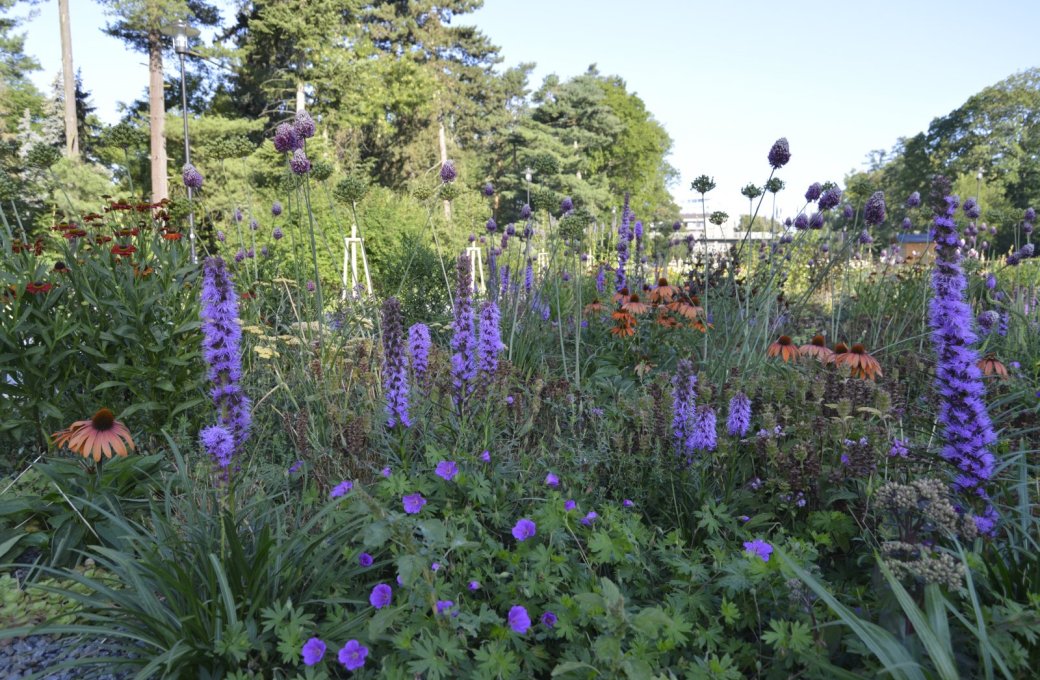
[
  {"x": 840, "y": 348},
  {"x": 102, "y": 434},
  {"x": 594, "y": 306},
  {"x": 663, "y": 292},
  {"x": 625, "y": 323},
  {"x": 37, "y": 287},
  {"x": 784, "y": 348},
  {"x": 860, "y": 363},
  {"x": 684, "y": 308},
  {"x": 667, "y": 321},
  {"x": 635, "y": 306},
  {"x": 701, "y": 326},
  {"x": 621, "y": 296},
  {"x": 989, "y": 365},
  {"x": 818, "y": 349}
]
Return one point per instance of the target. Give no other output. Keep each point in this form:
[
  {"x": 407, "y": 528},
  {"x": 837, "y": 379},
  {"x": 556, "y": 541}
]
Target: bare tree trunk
[
  {"x": 157, "y": 117},
  {"x": 301, "y": 97},
  {"x": 441, "y": 139},
  {"x": 69, "y": 78}
]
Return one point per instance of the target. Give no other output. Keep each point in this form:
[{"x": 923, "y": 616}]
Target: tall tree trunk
[
  {"x": 301, "y": 97},
  {"x": 69, "y": 78},
  {"x": 157, "y": 117},
  {"x": 444, "y": 159}
]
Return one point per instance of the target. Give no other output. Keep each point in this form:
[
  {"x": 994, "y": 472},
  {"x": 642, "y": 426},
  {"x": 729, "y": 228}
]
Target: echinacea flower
[
  {"x": 784, "y": 348},
  {"x": 758, "y": 548},
  {"x": 380, "y": 596},
  {"x": 990, "y": 365},
  {"x": 524, "y": 530},
  {"x": 859, "y": 361},
  {"x": 818, "y": 349},
  {"x": 634, "y": 306},
  {"x": 102, "y": 434},
  {"x": 519, "y": 621},
  {"x": 313, "y": 651},
  {"x": 413, "y": 503},
  {"x": 353, "y": 654}
]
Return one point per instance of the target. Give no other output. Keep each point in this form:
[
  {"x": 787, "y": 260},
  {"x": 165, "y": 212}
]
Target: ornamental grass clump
[{"x": 967, "y": 429}]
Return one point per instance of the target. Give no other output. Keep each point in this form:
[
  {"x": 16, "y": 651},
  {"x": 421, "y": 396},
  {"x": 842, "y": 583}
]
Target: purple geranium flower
[
  {"x": 549, "y": 619},
  {"x": 447, "y": 470},
  {"x": 519, "y": 621},
  {"x": 588, "y": 519},
  {"x": 552, "y": 480},
  {"x": 474, "y": 585},
  {"x": 486, "y": 456},
  {"x": 524, "y": 529},
  {"x": 569, "y": 505},
  {"x": 413, "y": 503},
  {"x": 443, "y": 606},
  {"x": 365, "y": 560},
  {"x": 759, "y": 548},
  {"x": 341, "y": 489},
  {"x": 313, "y": 651},
  {"x": 353, "y": 654},
  {"x": 381, "y": 596}
]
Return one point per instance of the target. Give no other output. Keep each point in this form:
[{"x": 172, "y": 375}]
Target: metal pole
[{"x": 187, "y": 159}]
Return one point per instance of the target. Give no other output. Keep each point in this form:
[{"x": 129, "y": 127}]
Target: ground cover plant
[{"x": 554, "y": 444}]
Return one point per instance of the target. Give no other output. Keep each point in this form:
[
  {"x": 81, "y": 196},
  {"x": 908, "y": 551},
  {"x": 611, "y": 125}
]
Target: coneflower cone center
[
  {"x": 858, "y": 349},
  {"x": 103, "y": 420}
]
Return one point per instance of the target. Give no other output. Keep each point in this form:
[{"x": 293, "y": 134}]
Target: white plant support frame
[
  {"x": 476, "y": 269},
  {"x": 352, "y": 246}
]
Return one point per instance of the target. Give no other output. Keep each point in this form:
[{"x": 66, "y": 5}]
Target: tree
[
  {"x": 139, "y": 23},
  {"x": 69, "y": 81}
]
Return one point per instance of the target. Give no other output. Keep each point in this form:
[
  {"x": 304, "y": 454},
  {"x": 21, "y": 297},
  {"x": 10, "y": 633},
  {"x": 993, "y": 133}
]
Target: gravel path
[{"x": 21, "y": 657}]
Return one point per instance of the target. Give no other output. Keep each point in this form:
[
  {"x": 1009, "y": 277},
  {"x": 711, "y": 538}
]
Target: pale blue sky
[{"x": 725, "y": 78}]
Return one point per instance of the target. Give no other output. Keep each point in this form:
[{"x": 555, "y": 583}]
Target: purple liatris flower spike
[
  {"x": 381, "y": 596},
  {"x": 463, "y": 340},
  {"x": 967, "y": 429},
  {"x": 601, "y": 279},
  {"x": 419, "y": 347},
  {"x": 286, "y": 139},
  {"x": 874, "y": 212},
  {"x": 219, "y": 444},
  {"x": 300, "y": 163},
  {"x": 448, "y": 172},
  {"x": 899, "y": 449},
  {"x": 524, "y": 530},
  {"x": 739, "y": 419},
  {"x": 395, "y": 365},
  {"x": 830, "y": 198},
  {"x": 814, "y": 192},
  {"x": 489, "y": 340},
  {"x": 758, "y": 548},
  {"x": 684, "y": 384},
  {"x": 779, "y": 153},
  {"x": 313, "y": 651},
  {"x": 624, "y": 236},
  {"x": 221, "y": 349},
  {"x": 192, "y": 177},
  {"x": 519, "y": 621},
  {"x": 304, "y": 125},
  {"x": 528, "y": 278},
  {"x": 703, "y": 434}
]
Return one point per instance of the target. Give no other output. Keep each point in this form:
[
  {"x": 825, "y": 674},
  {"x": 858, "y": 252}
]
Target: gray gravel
[{"x": 22, "y": 657}]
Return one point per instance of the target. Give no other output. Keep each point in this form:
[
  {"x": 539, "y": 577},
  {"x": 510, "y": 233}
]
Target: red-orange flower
[
  {"x": 624, "y": 323},
  {"x": 860, "y": 363},
  {"x": 102, "y": 434},
  {"x": 684, "y": 308},
  {"x": 123, "y": 251},
  {"x": 75, "y": 233},
  {"x": 60, "y": 268},
  {"x": 594, "y": 306},
  {"x": 818, "y": 349},
  {"x": 989, "y": 365},
  {"x": 37, "y": 287},
  {"x": 784, "y": 348},
  {"x": 663, "y": 292},
  {"x": 172, "y": 236},
  {"x": 667, "y": 321},
  {"x": 621, "y": 296},
  {"x": 635, "y": 306}
]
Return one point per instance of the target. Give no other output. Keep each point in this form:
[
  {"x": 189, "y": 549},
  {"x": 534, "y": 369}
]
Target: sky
[{"x": 725, "y": 78}]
